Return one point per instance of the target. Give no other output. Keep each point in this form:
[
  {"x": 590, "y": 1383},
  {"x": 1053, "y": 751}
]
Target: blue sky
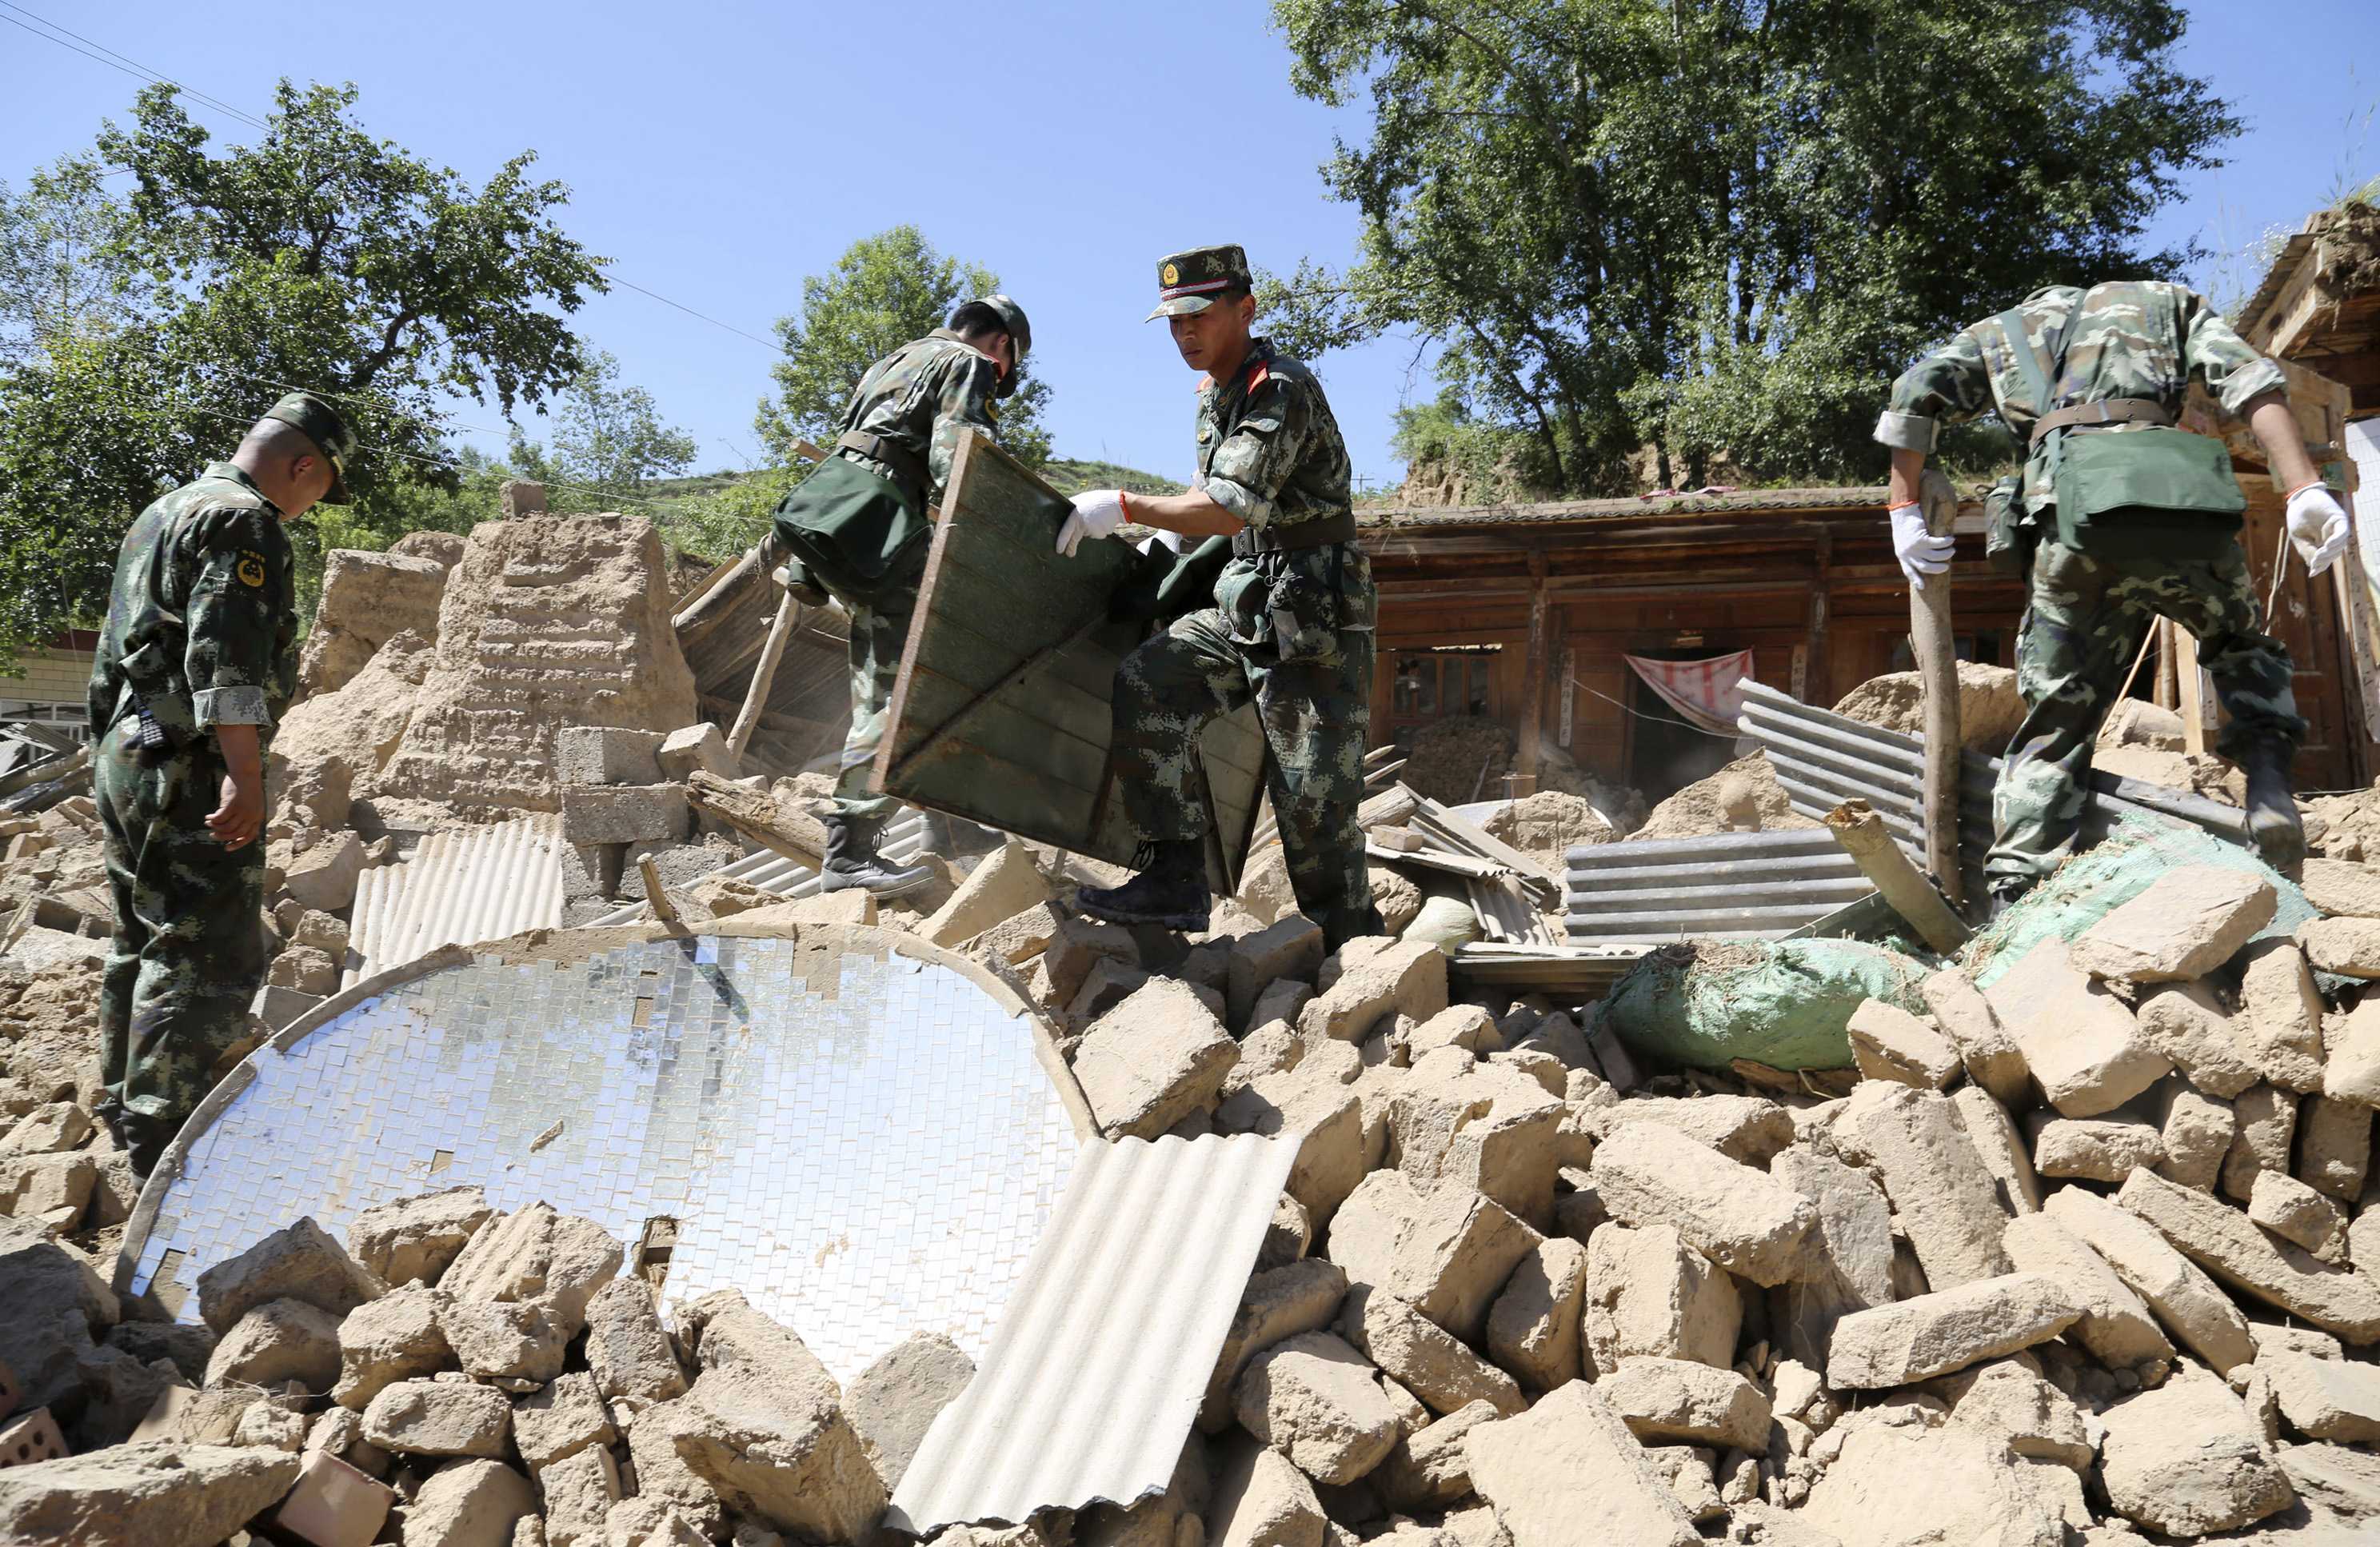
[{"x": 721, "y": 152}]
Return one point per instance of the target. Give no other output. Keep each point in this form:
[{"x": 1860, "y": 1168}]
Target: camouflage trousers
[
  {"x": 1315, "y": 717},
  {"x": 879, "y": 631},
  {"x": 2082, "y": 628},
  {"x": 189, "y": 951}
]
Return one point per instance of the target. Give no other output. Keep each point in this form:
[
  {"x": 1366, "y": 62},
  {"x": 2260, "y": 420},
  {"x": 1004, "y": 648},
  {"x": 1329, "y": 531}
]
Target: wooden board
[{"x": 1001, "y": 711}]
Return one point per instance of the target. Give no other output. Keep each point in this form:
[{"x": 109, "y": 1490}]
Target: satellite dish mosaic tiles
[{"x": 863, "y": 1141}]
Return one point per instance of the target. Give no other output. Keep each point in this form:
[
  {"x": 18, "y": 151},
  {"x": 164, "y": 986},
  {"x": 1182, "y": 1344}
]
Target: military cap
[
  {"x": 1188, "y": 282},
  {"x": 329, "y": 432}
]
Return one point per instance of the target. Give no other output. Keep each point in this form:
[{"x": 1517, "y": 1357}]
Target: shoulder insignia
[
  {"x": 251, "y": 569},
  {"x": 992, "y": 409}
]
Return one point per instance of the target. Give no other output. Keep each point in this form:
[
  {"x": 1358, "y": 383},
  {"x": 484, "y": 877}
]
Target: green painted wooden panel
[{"x": 973, "y": 732}]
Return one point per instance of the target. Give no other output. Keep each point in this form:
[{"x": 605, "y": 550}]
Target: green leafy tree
[
  {"x": 884, "y": 291},
  {"x": 1723, "y": 225},
  {"x": 317, "y": 257},
  {"x": 608, "y": 440}
]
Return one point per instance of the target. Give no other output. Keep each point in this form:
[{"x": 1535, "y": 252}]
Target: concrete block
[
  {"x": 1535, "y": 1326},
  {"x": 2282, "y": 1017},
  {"x": 2350, "y": 947},
  {"x": 1287, "y": 949},
  {"x": 471, "y": 1504},
  {"x": 1430, "y": 1470},
  {"x": 2186, "y": 1459},
  {"x": 538, "y": 1254},
  {"x": 2189, "y": 1304},
  {"x": 2335, "y": 1146},
  {"x": 333, "y": 1505},
  {"x": 1482, "y": 1126},
  {"x": 2079, "y": 1041},
  {"x": 300, "y": 1262},
  {"x": 2094, "y": 1149},
  {"x": 560, "y": 1420},
  {"x": 279, "y": 1341},
  {"x": 413, "y": 1240},
  {"x": 1447, "y": 1251},
  {"x": 2326, "y": 1399},
  {"x": 2189, "y": 921},
  {"x": 2000, "y": 1148},
  {"x": 1315, "y": 1400},
  {"x": 2296, "y": 1213},
  {"x": 2264, "y": 1121},
  {"x": 1990, "y": 1055},
  {"x": 1372, "y": 976},
  {"x": 2189, "y": 1024},
  {"x": 2352, "y": 1049},
  {"x": 1278, "y": 1304},
  {"x": 162, "y": 1494},
  {"x": 2116, "y": 1326},
  {"x": 2227, "y": 1245},
  {"x": 625, "y": 814},
  {"x": 324, "y": 875},
  {"x": 1568, "y": 1471},
  {"x": 1151, "y": 1061},
  {"x": 439, "y": 1418},
  {"x": 607, "y": 755},
  {"x": 695, "y": 748},
  {"x": 1648, "y": 1292},
  {"x": 1852, "y": 1257},
  {"x": 1423, "y": 1356},
  {"x": 397, "y": 1338},
  {"x": 1888, "y": 1043},
  {"x": 1667, "y": 1401},
  {"x": 2195, "y": 1134},
  {"x": 1003, "y": 883},
  {"x": 1950, "y": 1329},
  {"x": 1742, "y": 1219},
  {"x": 1948, "y": 1199},
  {"x": 1261, "y": 1500}
]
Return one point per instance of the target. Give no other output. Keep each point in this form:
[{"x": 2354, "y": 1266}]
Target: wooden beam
[
  {"x": 764, "y": 675},
  {"x": 2195, "y": 701},
  {"x": 1533, "y": 673},
  {"x": 1815, "y": 641}
]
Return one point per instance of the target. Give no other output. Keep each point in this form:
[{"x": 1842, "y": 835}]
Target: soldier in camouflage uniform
[
  {"x": 901, "y": 429},
  {"x": 2115, "y": 360},
  {"x": 1291, "y": 627},
  {"x": 197, "y": 661}
]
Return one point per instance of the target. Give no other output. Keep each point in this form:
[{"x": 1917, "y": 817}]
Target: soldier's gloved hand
[
  {"x": 2317, "y": 527},
  {"x": 1920, "y": 552},
  {"x": 1097, "y": 513}
]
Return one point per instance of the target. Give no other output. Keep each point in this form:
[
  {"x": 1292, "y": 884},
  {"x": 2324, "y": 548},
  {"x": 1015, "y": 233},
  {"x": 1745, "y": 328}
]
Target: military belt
[
  {"x": 904, "y": 462},
  {"x": 2112, "y": 410},
  {"x": 1250, "y": 541}
]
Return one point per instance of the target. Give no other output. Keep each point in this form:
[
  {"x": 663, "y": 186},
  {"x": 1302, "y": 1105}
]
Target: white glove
[
  {"x": 1098, "y": 513},
  {"x": 1920, "y": 552},
  {"x": 2317, "y": 527}
]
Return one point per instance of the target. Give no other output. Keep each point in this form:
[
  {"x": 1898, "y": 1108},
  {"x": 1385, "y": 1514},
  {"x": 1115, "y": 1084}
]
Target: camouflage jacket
[
  {"x": 203, "y": 621},
  {"x": 1271, "y": 453},
  {"x": 2138, "y": 338},
  {"x": 918, "y": 397}
]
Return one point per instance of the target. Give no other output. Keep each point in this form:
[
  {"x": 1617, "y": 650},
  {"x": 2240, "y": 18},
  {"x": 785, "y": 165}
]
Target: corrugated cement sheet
[
  {"x": 1101, "y": 1358},
  {"x": 458, "y": 888},
  {"x": 1726, "y": 886},
  {"x": 1000, "y": 710}
]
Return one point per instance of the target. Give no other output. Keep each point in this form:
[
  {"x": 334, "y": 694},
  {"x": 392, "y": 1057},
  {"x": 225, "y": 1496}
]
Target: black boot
[
  {"x": 852, "y": 862},
  {"x": 1171, "y": 889},
  {"x": 2273, "y": 823},
  {"x": 2004, "y": 897}
]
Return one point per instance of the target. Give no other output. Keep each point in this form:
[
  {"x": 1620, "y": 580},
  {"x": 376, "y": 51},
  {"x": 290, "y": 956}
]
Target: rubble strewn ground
[{"x": 2090, "y": 1258}]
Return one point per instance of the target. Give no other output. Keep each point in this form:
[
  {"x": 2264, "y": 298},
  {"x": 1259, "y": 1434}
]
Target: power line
[
  {"x": 773, "y": 347},
  {"x": 119, "y": 62}
]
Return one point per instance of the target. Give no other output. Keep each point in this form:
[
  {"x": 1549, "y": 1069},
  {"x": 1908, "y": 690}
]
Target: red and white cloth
[{"x": 1709, "y": 693}]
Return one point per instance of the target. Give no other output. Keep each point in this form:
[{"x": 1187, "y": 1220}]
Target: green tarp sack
[
  {"x": 1164, "y": 585},
  {"x": 1785, "y": 1004},
  {"x": 855, "y": 532}
]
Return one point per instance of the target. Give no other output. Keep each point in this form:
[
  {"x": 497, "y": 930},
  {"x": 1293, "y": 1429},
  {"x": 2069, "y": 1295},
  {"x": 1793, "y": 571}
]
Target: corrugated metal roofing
[
  {"x": 1725, "y": 886},
  {"x": 774, "y": 872},
  {"x": 458, "y": 888},
  {"x": 1742, "y": 502},
  {"x": 1101, "y": 1358}
]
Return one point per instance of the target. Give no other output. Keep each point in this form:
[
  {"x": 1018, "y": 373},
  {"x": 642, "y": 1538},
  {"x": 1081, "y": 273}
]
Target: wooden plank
[
  {"x": 1533, "y": 673},
  {"x": 1000, "y": 711},
  {"x": 2196, "y": 701},
  {"x": 764, "y": 676}
]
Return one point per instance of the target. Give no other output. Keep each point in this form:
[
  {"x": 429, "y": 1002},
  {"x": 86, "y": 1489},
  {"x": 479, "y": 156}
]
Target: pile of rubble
[{"x": 2089, "y": 1253}]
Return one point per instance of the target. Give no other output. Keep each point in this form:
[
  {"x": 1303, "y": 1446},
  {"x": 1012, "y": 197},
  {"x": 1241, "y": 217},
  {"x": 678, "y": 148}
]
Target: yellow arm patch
[{"x": 251, "y": 569}]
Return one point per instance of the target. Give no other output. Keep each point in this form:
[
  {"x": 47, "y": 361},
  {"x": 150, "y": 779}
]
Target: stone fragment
[
  {"x": 151, "y": 1495},
  {"x": 1315, "y": 1400},
  {"x": 1369, "y": 978},
  {"x": 607, "y": 755},
  {"x": 1289, "y": 949},
  {"x": 1019, "y": 939},
  {"x": 625, "y": 814},
  {"x": 2189, "y": 1025},
  {"x": 413, "y": 1240},
  {"x": 1945, "y": 1197},
  {"x": 2350, "y": 947},
  {"x": 1742, "y": 1219},
  {"x": 1335, "y": 1148},
  {"x": 692, "y": 749},
  {"x": 1479, "y": 1126},
  {"x": 2325, "y": 1398},
  {"x": 2194, "y": 1135},
  {"x": 1648, "y": 1292},
  {"x": 268, "y": 1424},
  {"x": 1262, "y": 1501},
  {"x": 2095, "y": 1149},
  {"x": 1916, "y": 1487},
  {"x": 52, "y": 1188},
  {"x": 537, "y": 1254},
  {"x": 1447, "y": 1251},
  {"x": 1003, "y": 883},
  {"x": 1423, "y": 1356},
  {"x": 2182, "y": 1296},
  {"x": 1680, "y": 1400},
  {"x": 2079, "y": 1041},
  {"x": 2352, "y": 1073},
  {"x": 578, "y": 1491},
  {"x": 1989, "y": 1054},
  {"x": 560, "y": 1420},
  {"x": 333, "y": 1505},
  {"x": 2226, "y": 1244},
  {"x": 1934, "y": 1334},
  {"x": 298, "y": 1262},
  {"x": 397, "y": 1338},
  {"x": 2263, "y": 1122},
  {"x": 1154, "y": 1059},
  {"x": 1429, "y": 1468},
  {"x": 1568, "y": 1471},
  {"x": 1534, "y": 1327},
  {"x": 2334, "y": 1145},
  {"x": 896, "y": 1399},
  {"x": 47, "y": 1130},
  {"x": 627, "y": 1351},
  {"x": 439, "y": 1418},
  {"x": 278, "y": 1341},
  {"x": 1888, "y": 1043},
  {"x": 1468, "y": 1027},
  {"x": 2342, "y": 886},
  {"x": 1852, "y": 1256},
  {"x": 2189, "y": 921},
  {"x": 2186, "y": 1459},
  {"x": 2008, "y": 1401},
  {"x": 1279, "y": 1303},
  {"x": 2000, "y": 1146},
  {"x": 1744, "y": 1129},
  {"x": 2116, "y": 1326},
  {"x": 504, "y": 1340},
  {"x": 2282, "y": 1017},
  {"x": 324, "y": 876},
  {"x": 1078, "y": 943},
  {"x": 471, "y": 1504},
  {"x": 772, "y": 1442},
  {"x": 2297, "y": 1213}
]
